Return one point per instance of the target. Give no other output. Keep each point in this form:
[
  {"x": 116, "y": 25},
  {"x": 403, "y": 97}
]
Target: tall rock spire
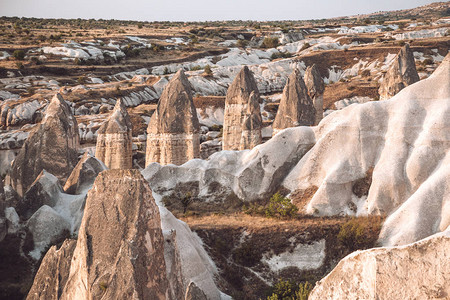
[
  {"x": 401, "y": 74},
  {"x": 296, "y": 107},
  {"x": 236, "y": 108},
  {"x": 173, "y": 131},
  {"x": 114, "y": 139},
  {"x": 251, "y": 128},
  {"x": 316, "y": 87},
  {"x": 52, "y": 146}
]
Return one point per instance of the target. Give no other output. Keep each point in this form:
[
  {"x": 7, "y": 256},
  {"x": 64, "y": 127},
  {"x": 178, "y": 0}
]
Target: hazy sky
[{"x": 202, "y": 10}]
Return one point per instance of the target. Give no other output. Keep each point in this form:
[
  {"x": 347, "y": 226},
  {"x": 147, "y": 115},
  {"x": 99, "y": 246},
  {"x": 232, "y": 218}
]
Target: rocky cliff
[
  {"x": 401, "y": 74},
  {"x": 296, "y": 107},
  {"x": 415, "y": 271},
  {"x": 173, "y": 131},
  {"x": 236, "y": 107},
  {"x": 316, "y": 87},
  {"x": 114, "y": 139},
  {"x": 119, "y": 252},
  {"x": 251, "y": 128},
  {"x": 51, "y": 146}
]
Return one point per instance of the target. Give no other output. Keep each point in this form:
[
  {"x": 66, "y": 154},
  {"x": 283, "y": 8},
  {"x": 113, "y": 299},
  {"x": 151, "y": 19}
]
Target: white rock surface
[{"x": 416, "y": 271}]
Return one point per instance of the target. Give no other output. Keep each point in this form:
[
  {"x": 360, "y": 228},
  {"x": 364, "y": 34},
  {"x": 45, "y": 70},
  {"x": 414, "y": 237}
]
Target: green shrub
[
  {"x": 208, "y": 71},
  {"x": 246, "y": 255},
  {"x": 354, "y": 235},
  {"x": 305, "y": 46},
  {"x": 280, "y": 207},
  {"x": 287, "y": 290},
  {"x": 270, "y": 42},
  {"x": 195, "y": 68},
  {"x": 280, "y": 55},
  {"x": 19, "y": 54}
]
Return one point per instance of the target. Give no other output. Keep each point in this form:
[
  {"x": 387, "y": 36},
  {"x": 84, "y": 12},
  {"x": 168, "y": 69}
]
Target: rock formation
[
  {"x": 401, "y": 74},
  {"x": 316, "y": 87},
  {"x": 251, "y": 128},
  {"x": 416, "y": 271},
  {"x": 173, "y": 131},
  {"x": 236, "y": 108},
  {"x": 51, "y": 278},
  {"x": 84, "y": 174},
  {"x": 194, "y": 293},
  {"x": 296, "y": 107},
  {"x": 114, "y": 139},
  {"x": 120, "y": 248},
  {"x": 51, "y": 146},
  {"x": 381, "y": 157}
]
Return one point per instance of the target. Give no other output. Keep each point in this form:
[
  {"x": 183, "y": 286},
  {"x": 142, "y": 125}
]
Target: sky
[{"x": 199, "y": 10}]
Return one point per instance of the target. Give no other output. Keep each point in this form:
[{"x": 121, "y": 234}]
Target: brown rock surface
[
  {"x": 236, "y": 108},
  {"x": 84, "y": 174},
  {"x": 51, "y": 146},
  {"x": 120, "y": 246},
  {"x": 401, "y": 74},
  {"x": 316, "y": 87},
  {"x": 173, "y": 131},
  {"x": 193, "y": 292},
  {"x": 51, "y": 278},
  {"x": 114, "y": 139},
  {"x": 296, "y": 107},
  {"x": 251, "y": 128}
]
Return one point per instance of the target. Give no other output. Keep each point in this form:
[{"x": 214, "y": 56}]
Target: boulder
[
  {"x": 47, "y": 227},
  {"x": 84, "y": 174},
  {"x": 401, "y": 74},
  {"x": 236, "y": 108},
  {"x": 114, "y": 139},
  {"x": 316, "y": 87},
  {"x": 251, "y": 128},
  {"x": 120, "y": 247},
  {"x": 45, "y": 190},
  {"x": 173, "y": 130},
  {"x": 52, "y": 146},
  {"x": 296, "y": 107},
  {"x": 416, "y": 271}
]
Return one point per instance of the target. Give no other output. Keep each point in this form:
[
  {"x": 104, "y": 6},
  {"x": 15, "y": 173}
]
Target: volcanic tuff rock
[
  {"x": 251, "y": 128},
  {"x": 84, "y": 174},
  {"x": 296, "y": 107},
  {"x": 52, "y": 275},
  {"x": 43, "y": 191},
  {"x": 120, "y": 248},
  {"x": 236, "y": 107},
  {"x": 415, "y": 271},
  {"x": 194, "y": 293},
  {"x": 173, "y": 131},
  {"x": 51, "y": 146},
  {"x": 381, "y": 157},
  {"x": 114, "y": 139},
  {"x": 316, "y": 87},
  {"x": 401, "y": 74}
]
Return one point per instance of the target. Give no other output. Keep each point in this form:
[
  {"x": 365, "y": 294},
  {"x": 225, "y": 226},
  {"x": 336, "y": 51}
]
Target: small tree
[
  {"x": 280, "y": 207},
  {"x": 19, "y": 54},
  {"x": 185, "y": 200}
]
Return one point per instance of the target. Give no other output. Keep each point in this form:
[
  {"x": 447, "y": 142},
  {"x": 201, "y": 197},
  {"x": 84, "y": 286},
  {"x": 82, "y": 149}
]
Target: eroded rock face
[
  {"x": 84, "y": 174},
  {"x": 114, "y": 139},
  {"x": 120, "y": 246},
  {"x": 296, "y": 107},
  {"x": 416, "y": 271},
  {"x": 236, "y": 108},
  {"x": 401, "y": 74},
  {"x": 173, "y": 131},
  {"x": 251, "y": 128},
  {"x": 193, "y": 292},
  {"x": 51, "y": 278},
  {"x": 44, "y": 191},
  {"x": 51, "y": 146},
  {"x": 316, "y": 87}
]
